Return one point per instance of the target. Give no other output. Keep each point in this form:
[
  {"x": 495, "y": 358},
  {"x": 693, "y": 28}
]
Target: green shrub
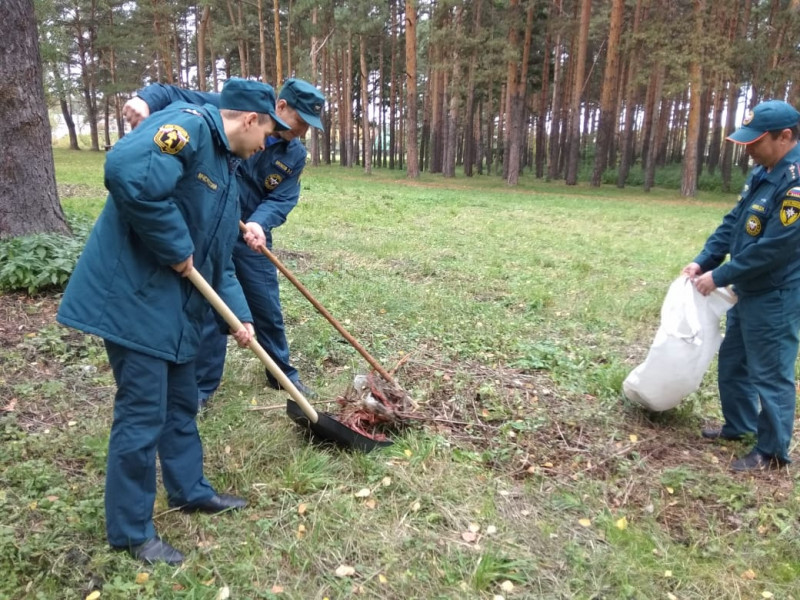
[{"x": 42, "y": 261}]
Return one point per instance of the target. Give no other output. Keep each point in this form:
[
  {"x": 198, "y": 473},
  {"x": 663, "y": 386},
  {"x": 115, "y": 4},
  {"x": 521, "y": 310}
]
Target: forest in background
[{"x": 550, "y": 87}]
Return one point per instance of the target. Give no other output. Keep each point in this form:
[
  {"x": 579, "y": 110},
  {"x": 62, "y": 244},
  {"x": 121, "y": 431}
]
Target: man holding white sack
[{"x": 762, "y": 236}]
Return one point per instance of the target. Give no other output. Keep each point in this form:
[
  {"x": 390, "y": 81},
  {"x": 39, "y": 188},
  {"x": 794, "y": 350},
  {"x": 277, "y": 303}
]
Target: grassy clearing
[{"x": 514, "y": 315}]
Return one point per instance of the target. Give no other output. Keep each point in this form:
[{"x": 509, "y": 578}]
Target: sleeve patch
[
  {"x": 790, "y": 210},
  {"x": 283, "y": 167},
  {"x": 272, "y": 181},
  {"x": 793, "y": 193},
  {"x": 753, "y": 225},
  {"x": 171, "y": 138}
]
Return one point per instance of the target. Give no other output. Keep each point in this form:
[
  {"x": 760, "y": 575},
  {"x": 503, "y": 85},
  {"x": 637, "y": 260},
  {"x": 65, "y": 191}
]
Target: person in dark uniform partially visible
[
  {"x": 762, "y": 237},
  {"x": 172, "y": 207},
  {"x": 270, "y": 189}
]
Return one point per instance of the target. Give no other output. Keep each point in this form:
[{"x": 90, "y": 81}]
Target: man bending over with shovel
[
  {"x": 269, "y": 190},
  {"x": 172, "y": 208}
]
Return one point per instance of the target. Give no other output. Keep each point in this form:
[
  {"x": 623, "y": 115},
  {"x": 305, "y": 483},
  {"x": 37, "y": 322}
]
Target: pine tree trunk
[
  {"x": 365, "y": 106},
  {"x": 412, "y": 154},
  {"x": 691, "y": 158},
  {"x": 276, "y": 23},
  {"x": 393, "y": 85},
  {"x": 650, "y": 157},
  {"x": 28, "y": 196},
  {"x": 608, "y": 108},
  {"x": 577, "y": 88}
]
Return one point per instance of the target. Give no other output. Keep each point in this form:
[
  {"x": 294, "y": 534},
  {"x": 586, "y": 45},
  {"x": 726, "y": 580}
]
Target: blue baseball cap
[
  {"x": 772, "y": 115},
  {"x": 307, "y": 100},
  {"x": 250, "y": 96}
]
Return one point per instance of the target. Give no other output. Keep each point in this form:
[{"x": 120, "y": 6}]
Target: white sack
[{"x": 685, "y": 343}]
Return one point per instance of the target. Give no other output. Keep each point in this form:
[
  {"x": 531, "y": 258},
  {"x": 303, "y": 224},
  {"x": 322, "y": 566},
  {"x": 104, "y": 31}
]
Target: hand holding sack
[{"x": 685, "y": 343}]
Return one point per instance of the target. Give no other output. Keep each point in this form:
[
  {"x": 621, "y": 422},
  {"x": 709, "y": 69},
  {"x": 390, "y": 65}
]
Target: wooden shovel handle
[
  {"x": 322, "y": 310},
  {"x": 235, "y": 324}
]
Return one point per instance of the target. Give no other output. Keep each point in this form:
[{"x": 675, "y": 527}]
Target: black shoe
[
  {"x": 715, "y": 433},
  {"x": 216, "y": 504},
  {"x": 155, "y": 550},
  {"x": 301, "y": 387},
  {"x": 755, "y": 461}
]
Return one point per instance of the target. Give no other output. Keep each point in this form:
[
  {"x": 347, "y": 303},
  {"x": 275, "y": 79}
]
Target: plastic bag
[{"x": 683, "y": 348}]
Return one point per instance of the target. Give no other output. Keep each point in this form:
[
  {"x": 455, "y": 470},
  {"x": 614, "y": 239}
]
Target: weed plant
[{"x": 512, "y": 315}]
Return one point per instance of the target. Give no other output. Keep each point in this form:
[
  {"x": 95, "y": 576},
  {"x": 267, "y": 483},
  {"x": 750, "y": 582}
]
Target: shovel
[{"x": 323, "y": 426}]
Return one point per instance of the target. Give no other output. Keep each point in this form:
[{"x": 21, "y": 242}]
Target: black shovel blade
[{"x": 328, "y": 429}]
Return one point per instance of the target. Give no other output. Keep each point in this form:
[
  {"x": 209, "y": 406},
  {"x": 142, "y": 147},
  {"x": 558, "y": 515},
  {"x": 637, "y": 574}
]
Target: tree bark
[
  {"x": 690, "y": 159},
  {"x": 28, "y": 195},
  {"x": 365, "y": 106},
  {"x": 608, "y": 109},
  {"x": 577, "y": 92},
  {"x": 276, "y": 16},
  {"x": 412, "y": 152}
]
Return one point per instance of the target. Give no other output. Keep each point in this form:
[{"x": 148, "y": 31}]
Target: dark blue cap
[
  {"x": 772, "y": 115},
  {"x": 307, "y": 100},
  {"x": 250, "y": 96}
]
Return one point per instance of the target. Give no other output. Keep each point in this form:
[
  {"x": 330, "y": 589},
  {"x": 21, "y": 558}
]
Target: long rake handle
[
  {"x": 323, "y": 311},
  {"x": 235, "y": 324}
]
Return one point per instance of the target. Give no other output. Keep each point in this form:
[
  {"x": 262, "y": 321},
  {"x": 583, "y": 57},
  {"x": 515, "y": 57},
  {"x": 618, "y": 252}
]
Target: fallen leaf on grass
[
  {"x": 749, "y": 574},
  {"x": 474, "y": 527},
  {"x": 667, "y": 573},
  {"x": 386, "y": 481},
  {"x": 469, "y": 536},
  {"x": 301, "y": 531},
  {"x": 363, "y": 493},
  {"x": 622, "y": 523},
  {"x": 766, "y": 594},
  {"x": 277, "y": 589},
  {"x": 345, "y": 571},
  {"x": 416, "y": 506},
  {"x": 408, "y": 452},
  {"x": 633, "y": 437},
  {"x": 584, "y": 522},
  {"x": 93, "y": 596},
  {"x": 670, "y": 490},
  {"x": 12, "y": 404},
  {"x": 491, "y": 530},
  {"x": 142, "y": 578},
  {"x": 507, "y": 586},
  {"x": 301, "y": 510},
  {"x": 382, "y": 578},
  {"x": 371, "y": 503}
]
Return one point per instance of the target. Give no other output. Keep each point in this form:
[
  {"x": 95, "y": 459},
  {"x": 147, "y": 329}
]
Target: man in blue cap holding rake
[{"x": 761, "y": 235}]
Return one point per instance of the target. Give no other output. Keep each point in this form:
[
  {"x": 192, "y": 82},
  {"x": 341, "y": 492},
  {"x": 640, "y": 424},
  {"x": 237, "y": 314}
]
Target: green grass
[{"x": 514, "y": 314}]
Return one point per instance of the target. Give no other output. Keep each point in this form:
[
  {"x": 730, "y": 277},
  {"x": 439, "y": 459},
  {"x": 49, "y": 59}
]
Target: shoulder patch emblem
[
  {"x": 753, "y": 225},
  {"x": 171, "y": 138},
  {"x": 790, "y": 211},
  {"x": 283, "y": 167},
  {"x": 793, "y": 193},
  {"x": 272, "y": 181}
]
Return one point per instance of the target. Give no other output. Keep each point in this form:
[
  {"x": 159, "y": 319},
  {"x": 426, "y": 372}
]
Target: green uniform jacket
[{"x": 172, "y": 194}]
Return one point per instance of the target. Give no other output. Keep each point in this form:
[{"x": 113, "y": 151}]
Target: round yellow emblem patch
[
  {"x": 272, "y": 181},
  {"x": 753, "y": 225},
  {"x": 171, "y": 138}
]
